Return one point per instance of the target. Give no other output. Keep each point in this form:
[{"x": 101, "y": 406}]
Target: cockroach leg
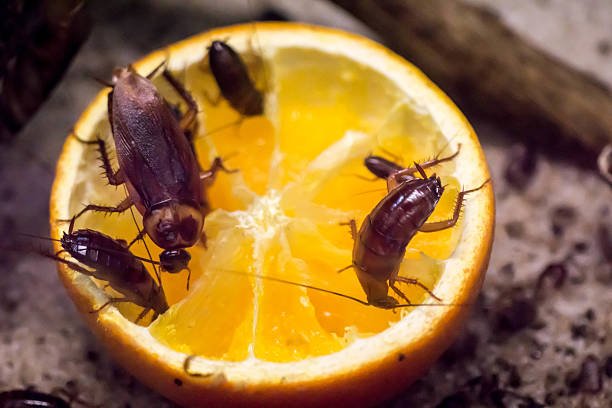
[
  {"x": 416, "y": 282},
  {"x": 155, "y": 70},
  {"x": 73, "y": 265},
  {"x": 208, "y": 176},
  {"x": 110, "y": 302},
  {"x": 143, "y": 314},
  {"x": 188, "y": 277},
  {"x": 399, "y": 292},
  {"x": 188, "y": 120},
  {"x": 119, "y": 208},
  {"x": 442, "y": 225},
  {"x": 353, "y": 224},
  {"x": 114, "y": 178},
  {"x": 138, "y": 237},
  {"x": 345, "y": 268}
]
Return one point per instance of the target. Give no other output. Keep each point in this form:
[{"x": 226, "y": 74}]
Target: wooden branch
[{"x": 487, "y": 68}]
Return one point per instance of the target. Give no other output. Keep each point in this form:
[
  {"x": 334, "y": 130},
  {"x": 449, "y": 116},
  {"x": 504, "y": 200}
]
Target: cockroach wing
[{"x": 153, "y": 153}]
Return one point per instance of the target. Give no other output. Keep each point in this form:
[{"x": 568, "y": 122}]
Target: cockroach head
[
  {"x": 173, "y": 225},
  {"x": 174, "y": 260},
  {"x": 438, "y": 188}
]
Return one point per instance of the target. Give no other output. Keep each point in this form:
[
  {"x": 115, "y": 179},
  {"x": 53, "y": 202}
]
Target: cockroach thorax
[{"x": 174, "y": 225}]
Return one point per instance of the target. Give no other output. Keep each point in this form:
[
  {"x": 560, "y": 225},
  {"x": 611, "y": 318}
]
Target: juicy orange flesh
[{"x": 300, "y": 176}]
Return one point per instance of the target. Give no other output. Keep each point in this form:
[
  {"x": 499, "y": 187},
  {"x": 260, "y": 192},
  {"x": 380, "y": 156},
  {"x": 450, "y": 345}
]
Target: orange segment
[{"x": 331, "y": 100}]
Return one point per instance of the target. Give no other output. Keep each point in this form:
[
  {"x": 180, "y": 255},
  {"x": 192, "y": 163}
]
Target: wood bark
[{"x": 490, "y": 70}]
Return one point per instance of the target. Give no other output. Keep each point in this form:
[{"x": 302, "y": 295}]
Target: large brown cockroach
[
  {"x": 157, "y": 164},
  {"x": 232, "y": 77},
  {"x": 381, "y": 242},
  {"x": 111, "y": 260}
]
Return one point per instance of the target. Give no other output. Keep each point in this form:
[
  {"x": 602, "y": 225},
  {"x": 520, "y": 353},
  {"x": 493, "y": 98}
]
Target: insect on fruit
[
  {"x": 157, "y": 165},
  {"x": 381, "y": 242},
  {"x": 110, "y": 260},
  {"x": 232, "y": 77}
]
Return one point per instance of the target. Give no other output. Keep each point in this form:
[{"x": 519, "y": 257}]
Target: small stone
[
  {"x": 515, "y": 313},
  {"x": 554, "y": 275},
  {"x": 514, "y": 378},
  {"x": 463, "y": 348},
  {"x": 588, "y": 380},
  {"x": 604, "y": 47},
  {"x": 608, "y": 367},
  {"x": 604, "y": 236},
  {"x": 458, "y": 400},
  {"x": 92, "y": 356},
  {"x": 581, "y": 247},
  {"x": 507, "y": 271},
  {"x": 515, "y": 229},
  {"x": 562, "y": 217},
  {"x": 579, "y": 331}
]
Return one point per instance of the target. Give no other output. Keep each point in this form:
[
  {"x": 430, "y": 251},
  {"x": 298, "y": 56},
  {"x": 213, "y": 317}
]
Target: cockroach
[
  {"x": 232, "y": 77},
  {"x": 394, "y": 173},
  {"x": 157, "y": 165},
  {"x": 111, "y": 260},
  {"x": 381, "y": 242},
  {"x": 30, "y": 399}
]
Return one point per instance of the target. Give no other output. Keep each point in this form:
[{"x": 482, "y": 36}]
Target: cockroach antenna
[{"x": 332, "y": 292}]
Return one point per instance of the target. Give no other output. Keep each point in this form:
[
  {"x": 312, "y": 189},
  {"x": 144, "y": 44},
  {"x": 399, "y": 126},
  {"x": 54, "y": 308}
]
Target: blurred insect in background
[{"x": 28, "y": 398}]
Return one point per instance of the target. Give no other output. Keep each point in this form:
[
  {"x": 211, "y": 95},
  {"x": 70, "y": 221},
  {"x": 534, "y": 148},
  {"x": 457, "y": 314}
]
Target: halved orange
[{"x": 332, "y": 98}]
